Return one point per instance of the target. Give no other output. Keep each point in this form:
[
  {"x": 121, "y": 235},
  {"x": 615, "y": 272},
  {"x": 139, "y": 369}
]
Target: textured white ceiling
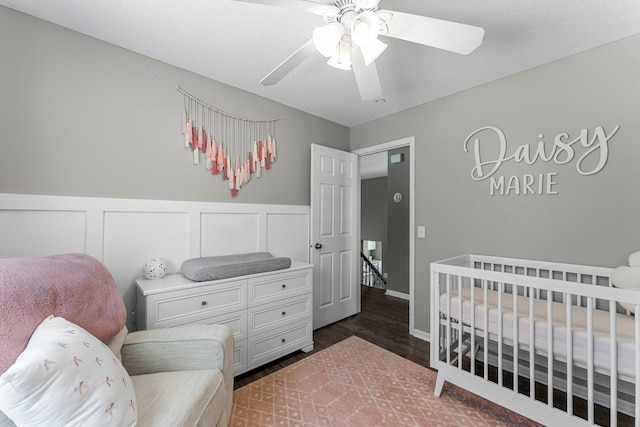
[{"x": 239, "y": 43}]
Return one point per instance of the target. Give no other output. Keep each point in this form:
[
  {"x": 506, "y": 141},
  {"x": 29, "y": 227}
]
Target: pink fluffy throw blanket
[{"x": 74, "y": 286}]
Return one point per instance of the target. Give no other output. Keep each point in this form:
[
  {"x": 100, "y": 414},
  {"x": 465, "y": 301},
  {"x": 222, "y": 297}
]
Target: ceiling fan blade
[
  {"x": 366, "y": 77},
  {"x": 289, "y": 64},
  {"x": 447, "y": 35},
  {"x": 318, "y": 9}
]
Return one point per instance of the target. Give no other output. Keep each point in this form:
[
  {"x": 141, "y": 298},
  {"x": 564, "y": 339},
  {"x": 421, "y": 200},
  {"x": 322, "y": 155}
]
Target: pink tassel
[
  {"x": 188, "y": 134},
  {"x": 273, "y": 143},
  {"x": 219, "y": 159},
  {"x": 207, "y": 153},
  {"x": 194, "y": 138},
  {"x": 200, "y": 138},
  {"x": 255, "y": 157},
  {"x": 184, "y": 123}
]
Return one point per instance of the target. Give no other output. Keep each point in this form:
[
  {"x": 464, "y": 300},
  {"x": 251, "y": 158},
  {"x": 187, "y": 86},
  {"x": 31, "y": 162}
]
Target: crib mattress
[{"x": 601, "y": 336}]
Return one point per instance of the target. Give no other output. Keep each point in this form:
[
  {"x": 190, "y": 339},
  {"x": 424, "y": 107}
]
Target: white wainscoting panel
[
  {"x": 124, "y": 233},
  {"x": 41, "y": 232},
  {"x": 284, "y": 232},
  {"x": 230, "y": 233},
  {"x": 131, "y": 238}
]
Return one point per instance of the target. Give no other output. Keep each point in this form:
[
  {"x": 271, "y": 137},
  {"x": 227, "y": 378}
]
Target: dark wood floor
[{"x": 384, "y": 321}]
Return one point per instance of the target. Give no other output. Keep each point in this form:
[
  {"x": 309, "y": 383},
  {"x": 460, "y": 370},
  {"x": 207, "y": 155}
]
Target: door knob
[{"x": 318, "y": 246}]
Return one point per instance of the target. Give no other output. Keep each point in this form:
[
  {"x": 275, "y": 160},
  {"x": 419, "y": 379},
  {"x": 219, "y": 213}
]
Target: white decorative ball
[{"x": 155, "y": 268}]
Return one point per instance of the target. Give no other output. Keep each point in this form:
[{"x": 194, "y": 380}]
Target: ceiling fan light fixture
[
  {"x": 372, "y": 51},
  {"x": 326, "y": 38},
  {"x": 365, "y": 28}
]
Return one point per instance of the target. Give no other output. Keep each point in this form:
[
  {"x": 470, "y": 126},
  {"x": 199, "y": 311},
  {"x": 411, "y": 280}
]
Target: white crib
[{"x": 560, "y": 326}]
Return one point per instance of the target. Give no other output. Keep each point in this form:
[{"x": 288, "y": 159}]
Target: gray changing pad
[{"x": 223, "y": 267}]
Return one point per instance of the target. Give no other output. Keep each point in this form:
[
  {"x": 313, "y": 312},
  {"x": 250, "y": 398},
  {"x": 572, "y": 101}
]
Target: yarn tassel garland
[{"x": 249, "y": 158}]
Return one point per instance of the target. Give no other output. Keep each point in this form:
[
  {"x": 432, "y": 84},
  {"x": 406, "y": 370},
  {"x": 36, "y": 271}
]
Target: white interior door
[{"x": 334, "y": 234}]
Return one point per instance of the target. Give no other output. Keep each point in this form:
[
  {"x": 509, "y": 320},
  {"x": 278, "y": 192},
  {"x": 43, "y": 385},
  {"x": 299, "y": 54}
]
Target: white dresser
[{"x": 270, "y": 313}]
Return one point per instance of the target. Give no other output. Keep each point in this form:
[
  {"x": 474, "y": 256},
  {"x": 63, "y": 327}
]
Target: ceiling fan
[{"x": 350, "y": 37}]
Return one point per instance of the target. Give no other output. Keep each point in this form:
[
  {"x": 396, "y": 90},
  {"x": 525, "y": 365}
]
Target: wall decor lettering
[{"x": 588, "y": 150}]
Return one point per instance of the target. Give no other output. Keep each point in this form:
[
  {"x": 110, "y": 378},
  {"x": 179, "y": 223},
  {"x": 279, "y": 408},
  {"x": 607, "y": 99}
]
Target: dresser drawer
[
  {"x": 191, "y": 305},
  {"x": 236, "y": 321},
  {"x": 270, "y": 316},
  {"x": 277, "y": 343},
  {"x": 278, "y": 286}
]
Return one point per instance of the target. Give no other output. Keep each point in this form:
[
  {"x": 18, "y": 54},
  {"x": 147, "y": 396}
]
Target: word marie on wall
[{"x": 589, "y": 151}]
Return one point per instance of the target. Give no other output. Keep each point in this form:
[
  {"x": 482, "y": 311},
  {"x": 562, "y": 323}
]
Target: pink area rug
[{"x": 356, "y": 383}]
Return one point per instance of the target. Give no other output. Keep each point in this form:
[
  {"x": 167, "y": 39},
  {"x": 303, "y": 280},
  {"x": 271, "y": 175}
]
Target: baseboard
[
  {"x": 397, "y": 294},
  {"x": 425, "y": 336}
]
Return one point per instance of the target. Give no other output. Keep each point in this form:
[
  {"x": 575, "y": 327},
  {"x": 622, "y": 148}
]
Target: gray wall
[
  {"x": 396, "y": 261},
  {"x": 593, "y": 220},
  {"x": 373, "y": 215},
  {"x": 82, "y": 117}
]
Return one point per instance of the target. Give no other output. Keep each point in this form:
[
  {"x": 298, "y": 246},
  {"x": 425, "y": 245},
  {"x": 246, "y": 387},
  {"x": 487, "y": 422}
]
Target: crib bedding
[
  {"x": 226, "y": 266},
  {"x": 601, "y": 325}
]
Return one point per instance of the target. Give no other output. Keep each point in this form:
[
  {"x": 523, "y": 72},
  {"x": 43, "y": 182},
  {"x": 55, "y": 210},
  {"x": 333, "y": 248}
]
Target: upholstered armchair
[{"x": 66, "y": 357}]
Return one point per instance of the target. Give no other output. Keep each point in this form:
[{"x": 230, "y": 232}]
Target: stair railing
[{"x": 370, "y": 274}]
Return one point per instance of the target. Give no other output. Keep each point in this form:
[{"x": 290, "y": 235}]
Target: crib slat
[
  {"x": 448, "y": 329},
  {"x": 532, "y": 370},
  {"x": 637, "y": 362},
  {"x": 569, "y": 356},
  {"x": 500, "y": 332},
  {"x": 613, "y": 352},
  {"x": 472, "y": 353},
  {"x": 516, "y": 339},
  {"x": 590, "y": 359},
  {"x": 486, "y": 330},
  {"x": 549, "y": 349},
  {"x": 460, "y": 321}
]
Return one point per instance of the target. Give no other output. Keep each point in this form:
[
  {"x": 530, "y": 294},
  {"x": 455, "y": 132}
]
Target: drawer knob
[
  {"x": 204, "y": 303},
  {"x": 284, "y": 285},
  {"x": 284, "y": 340},
  {"x": 284, "y": 313}
]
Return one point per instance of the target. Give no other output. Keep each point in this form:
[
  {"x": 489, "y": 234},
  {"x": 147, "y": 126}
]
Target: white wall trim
[
  {"x": 425, "y": 336},
  {"x": 397, "y": 294},
  {"x": 409, "y": 141}
]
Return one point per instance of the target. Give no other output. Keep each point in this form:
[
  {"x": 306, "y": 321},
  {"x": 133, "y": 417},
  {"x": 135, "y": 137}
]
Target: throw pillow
[{"x": 66, "y": 376}]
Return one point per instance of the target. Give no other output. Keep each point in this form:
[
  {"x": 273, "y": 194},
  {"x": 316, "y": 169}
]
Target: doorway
[{"x": 382, "y": 149}]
